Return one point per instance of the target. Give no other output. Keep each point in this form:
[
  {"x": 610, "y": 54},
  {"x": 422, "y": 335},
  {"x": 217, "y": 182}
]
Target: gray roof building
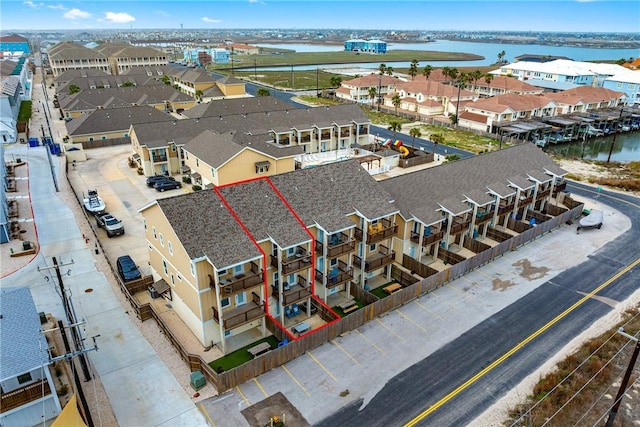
[
  {"x": 119, "y": 97},
  {"x": 114, "y": 119},
  {"x": 229, "y": 107},
  {"x": 422, "y": 194},
  {"x": 209, "y": 230},
  {"x": 23, "y": 348}
]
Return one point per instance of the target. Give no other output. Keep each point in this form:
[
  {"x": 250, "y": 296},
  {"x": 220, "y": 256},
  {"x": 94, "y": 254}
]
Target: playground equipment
[{"x": 397, "y": 145}]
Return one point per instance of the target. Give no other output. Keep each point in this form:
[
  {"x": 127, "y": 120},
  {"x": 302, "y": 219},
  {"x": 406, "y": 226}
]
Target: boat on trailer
[
  {"x": 93, "y": 203},
  {"x": 593, "y": 220}
]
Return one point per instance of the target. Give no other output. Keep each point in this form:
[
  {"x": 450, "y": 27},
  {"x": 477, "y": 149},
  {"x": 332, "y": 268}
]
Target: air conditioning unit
[
  {"x": 153, "y": 293},
  {"x": 228, "y": 289}
]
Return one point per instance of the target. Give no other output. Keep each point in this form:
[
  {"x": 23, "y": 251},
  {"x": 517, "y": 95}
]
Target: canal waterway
[
  {"x": 626, "y": 148},
  {"x": 488, "y": 50}
]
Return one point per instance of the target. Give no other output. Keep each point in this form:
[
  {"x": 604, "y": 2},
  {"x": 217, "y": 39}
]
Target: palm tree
[
  {"x": 488, "y": 78},
  {"x": 390, "y": 71},
  {"x": 415, "y": 133},
  {"x": 450, "y": 72},
  {"x": 437, "y": 138},
  {"x": 394, "y": 126},
  {"x": 263, "y": 92},
  {"x": 413, "y": 69},
  {"x": 396, "y": 101},
  {"x": 373, "y": 92},
  {"x": 335, "y": 81},
  {"x": 501, "y": 56},
  {"x": 382, "y": 69},
  {"x": 426, "y": 72},
  {"x": 73, "y": 89},
  {"x": 475, "y": 76},
  {"x": 199, "y": 94}
]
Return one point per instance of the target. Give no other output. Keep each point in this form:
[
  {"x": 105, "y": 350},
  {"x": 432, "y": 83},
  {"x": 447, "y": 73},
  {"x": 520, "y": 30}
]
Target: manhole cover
[{"x": 88, "y": 291}]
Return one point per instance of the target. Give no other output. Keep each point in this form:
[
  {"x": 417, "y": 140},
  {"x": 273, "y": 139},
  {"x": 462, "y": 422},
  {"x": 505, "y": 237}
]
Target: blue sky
[{"x": 520, "y": 15}]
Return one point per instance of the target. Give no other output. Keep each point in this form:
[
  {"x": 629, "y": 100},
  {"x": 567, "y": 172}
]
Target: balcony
[
  {"x": 293, "y": 292},
  {"x": 384, "y": 257},
  {"x": 363, "y": 131},
  {"x": 325, "y": 136},
  {"x": 297, "y": 262},
  {"x": 378, "y": 232},
  {"x": 526, "y": 201},
  {"x": 159, "y": 158},
  {"x": 343, "y": 134},
  {"x": 23, "y": 395},
  {"x": 560, "y": 187},
  {"x": 339, "y": 244},
  {"x": 233, "y": 284},
  {"x": 507, "y": 207},
  {"x": 460, "y": 224},
  {"x": 338, "y": 275},
  {"x": 284, "y": 141},
  {"x": 240, "y": 315},
  {"x": 543, "y": 193},
  {"x": 428, "y": 240},
  {"x": 305, "y": 139},
  {"x": 482, "y": 217}
]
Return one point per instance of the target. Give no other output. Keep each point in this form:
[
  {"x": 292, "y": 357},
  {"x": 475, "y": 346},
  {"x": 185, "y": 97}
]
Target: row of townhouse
[
  {"x": 278, "y": 131},
  {"x": 368, "y": 89},
  {"x": 563, "y": 74},
  {"x": 15, "y": 86},
  {"x": 315, "y": 237},
  {"x": 112, "y": 58},
  {"x": 493, "y": 113}
]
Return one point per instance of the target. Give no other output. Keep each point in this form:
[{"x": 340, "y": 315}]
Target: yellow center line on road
[
  {"x": 206, "y": 415},
  {"x": 433, "y": 313},
  {"x": 260, "y": 387},
  {"x": 390, "y": 330},
  {"x": 410, "y": 320},
  {"x": 243, "y": 396},
  {"x": 346, "y": 352},
  {"x": 295, "y": 380},
  {"x": 519, "y": 346},
  {"x": 321, "y": 365},
  {"x": 370, "y": 342}
]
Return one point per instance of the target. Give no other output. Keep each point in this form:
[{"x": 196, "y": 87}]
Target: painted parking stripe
[
  {"x": 389, "y": 329},
  {"x": 410, "y": 320},
  {"x": 295, "y": 380},
  {"x": 243, "y": 396},
  {"x": 206, "y": 415},
  {"x": 431, "y": 312},
  {"x": 369, "y": 341},
  {"x": 260, "y": 387},
  {"x": 321, "y": 365},
  {"x": 346, "y": 352}
]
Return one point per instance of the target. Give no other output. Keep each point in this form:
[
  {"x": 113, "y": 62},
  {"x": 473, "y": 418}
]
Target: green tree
[
  {"x": 426, "y": 71},
  {"x": 335, "y": 81},
  {"x": 263, "y": 92},
  {"x": 413, "y": 69},
  {"x": 501, "y": 56},
  {"x": 390, "y": 71},
  {"x": 128, "y": 84},
  {"x": 415, "y": 133},
  {"x": 450, "y": 72},
  {"x": 166, "y": 80},
  {"x": 396, "y": 101},
  {"x": 199, "y": 94},
  {"x": 73, "y": 89},
  {"x": 437, "y": 138},
  {"x": 488, "y": 78},
  {"x": 394, "y": 126},
  {"x": 373, "y": 92},
  {"x": 382, "y": 69}
]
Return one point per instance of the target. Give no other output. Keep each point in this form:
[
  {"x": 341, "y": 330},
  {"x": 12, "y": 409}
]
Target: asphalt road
[{"x": 426, "y": 383}]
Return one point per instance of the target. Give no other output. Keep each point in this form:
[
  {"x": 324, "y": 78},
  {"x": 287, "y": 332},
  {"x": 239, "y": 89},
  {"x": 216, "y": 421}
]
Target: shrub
[
  {"x": 63, "y": 390},
  {"x": 196, "y": 187},
  {"x": 140, "y": 171},
  {"x": 58, "y": 370},
  {"x": 186, "y": 179}
]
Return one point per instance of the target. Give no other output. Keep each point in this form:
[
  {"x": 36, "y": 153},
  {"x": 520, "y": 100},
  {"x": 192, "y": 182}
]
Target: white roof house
[{"x": 628, "y": 82}]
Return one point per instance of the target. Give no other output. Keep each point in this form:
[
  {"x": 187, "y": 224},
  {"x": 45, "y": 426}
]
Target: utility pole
[
  {"x": 613, "y": 141},
  {"x": 625, "y": 380},
  {"x": 317, "y": 83}
]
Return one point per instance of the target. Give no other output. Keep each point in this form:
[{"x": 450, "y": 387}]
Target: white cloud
[
  {"x": 74, "y": 14},
  {"x": 33, "y": 5},
  {"x": 211, "y": 20},
  {"x": 57, "y": 7},
  {"x": 119, "y": 17}
]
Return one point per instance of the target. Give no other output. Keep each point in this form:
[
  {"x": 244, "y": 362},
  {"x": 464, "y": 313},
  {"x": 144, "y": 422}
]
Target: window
[
  {"x": 631, "y": 86},
  {"x": 238, "y": 269},
  {"x": 161, "y": 240},
  {"x": 276, "y": 280},
  {"x": 198, "y": 163},
  {"x": 225, "y": 302},
  {"x": 24, "y": 378},
  {"x": 193, "y": 269},
  {"x": 179, "y": 277},
  {"x": 372, "y": 248},
  {"x": 170, "y": 248},
  {"x": 90, "y": 139},
  {"x": 213, "y": 172},
  {"x": 173, "y": 282},
  {"x": 155, "y": 234},
  {"x": 165, "y": 268},
  {"x": 103, "y": 137},
  {"x": 241, "y": 298},
  {"x": 333, "y": 262},
  {"x": 227, "y": 333}
]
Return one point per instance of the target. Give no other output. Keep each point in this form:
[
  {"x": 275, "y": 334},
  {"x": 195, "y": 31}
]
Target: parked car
[
  {"x": 152, "y": 180},
  {"x": 127, "y": 269},
  {"x": 112, "y": 225},
  {"x": 167, "y": 185}
]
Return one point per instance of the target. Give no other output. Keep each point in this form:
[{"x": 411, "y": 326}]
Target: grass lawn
[
  {"x": 318, "y": 101},
  {"x": 462, "y": 139},
  {"x": 25, "y": 111},
  {"x": 304, "y": 80},
  {"x": 240, "y": 356},
  {"x": 341, "y": 313},
  {"x": 382, "y": 118}
]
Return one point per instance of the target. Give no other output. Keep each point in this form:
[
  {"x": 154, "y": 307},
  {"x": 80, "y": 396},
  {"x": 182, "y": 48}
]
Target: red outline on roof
[{"x": 264, "y": 255}]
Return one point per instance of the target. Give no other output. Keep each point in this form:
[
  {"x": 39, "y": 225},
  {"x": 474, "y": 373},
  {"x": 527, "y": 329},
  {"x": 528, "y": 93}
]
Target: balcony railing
[
  {"x": 526, "y": 201},
  {"x": 159, "y": 157},
  {"x": 560, "y": 187},
  {"x": 378, "y": 232},
  {"x": 300, "y": 261},
  {"x": 382, "y": 258},
  {"x": 239, "y": 316},
  {"x": 543, "y": 193},
  {"x": 325, "y": 135},
  {"x": 241, "y": 282},
  {"x": 363, "y": 131},
  {"x": 337, "y": 276},
  {"x": 23, "y": 395},
  {"x": 482, "y": 217},
  {"x": 459, "y": 225},
  {"x": 427, "y": 240},
  {"x": 305, "y": 139},
  {"x": 505, "y": 208},
  {"x": 293, "y": 292},
  {"x": 343, "y": 134},
  {"x": 339, "y": 244}
]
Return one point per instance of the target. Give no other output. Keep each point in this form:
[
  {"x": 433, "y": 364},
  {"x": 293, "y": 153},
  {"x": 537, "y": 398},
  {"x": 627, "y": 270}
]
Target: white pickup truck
[{"x": 112, "y": 225}]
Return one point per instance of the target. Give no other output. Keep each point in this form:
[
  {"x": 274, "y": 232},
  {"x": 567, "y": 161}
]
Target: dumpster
[
  {"x": 34, "y": 142},
  {"x": 47, "y": 140},
  {"x": 55, "y": 149}
]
